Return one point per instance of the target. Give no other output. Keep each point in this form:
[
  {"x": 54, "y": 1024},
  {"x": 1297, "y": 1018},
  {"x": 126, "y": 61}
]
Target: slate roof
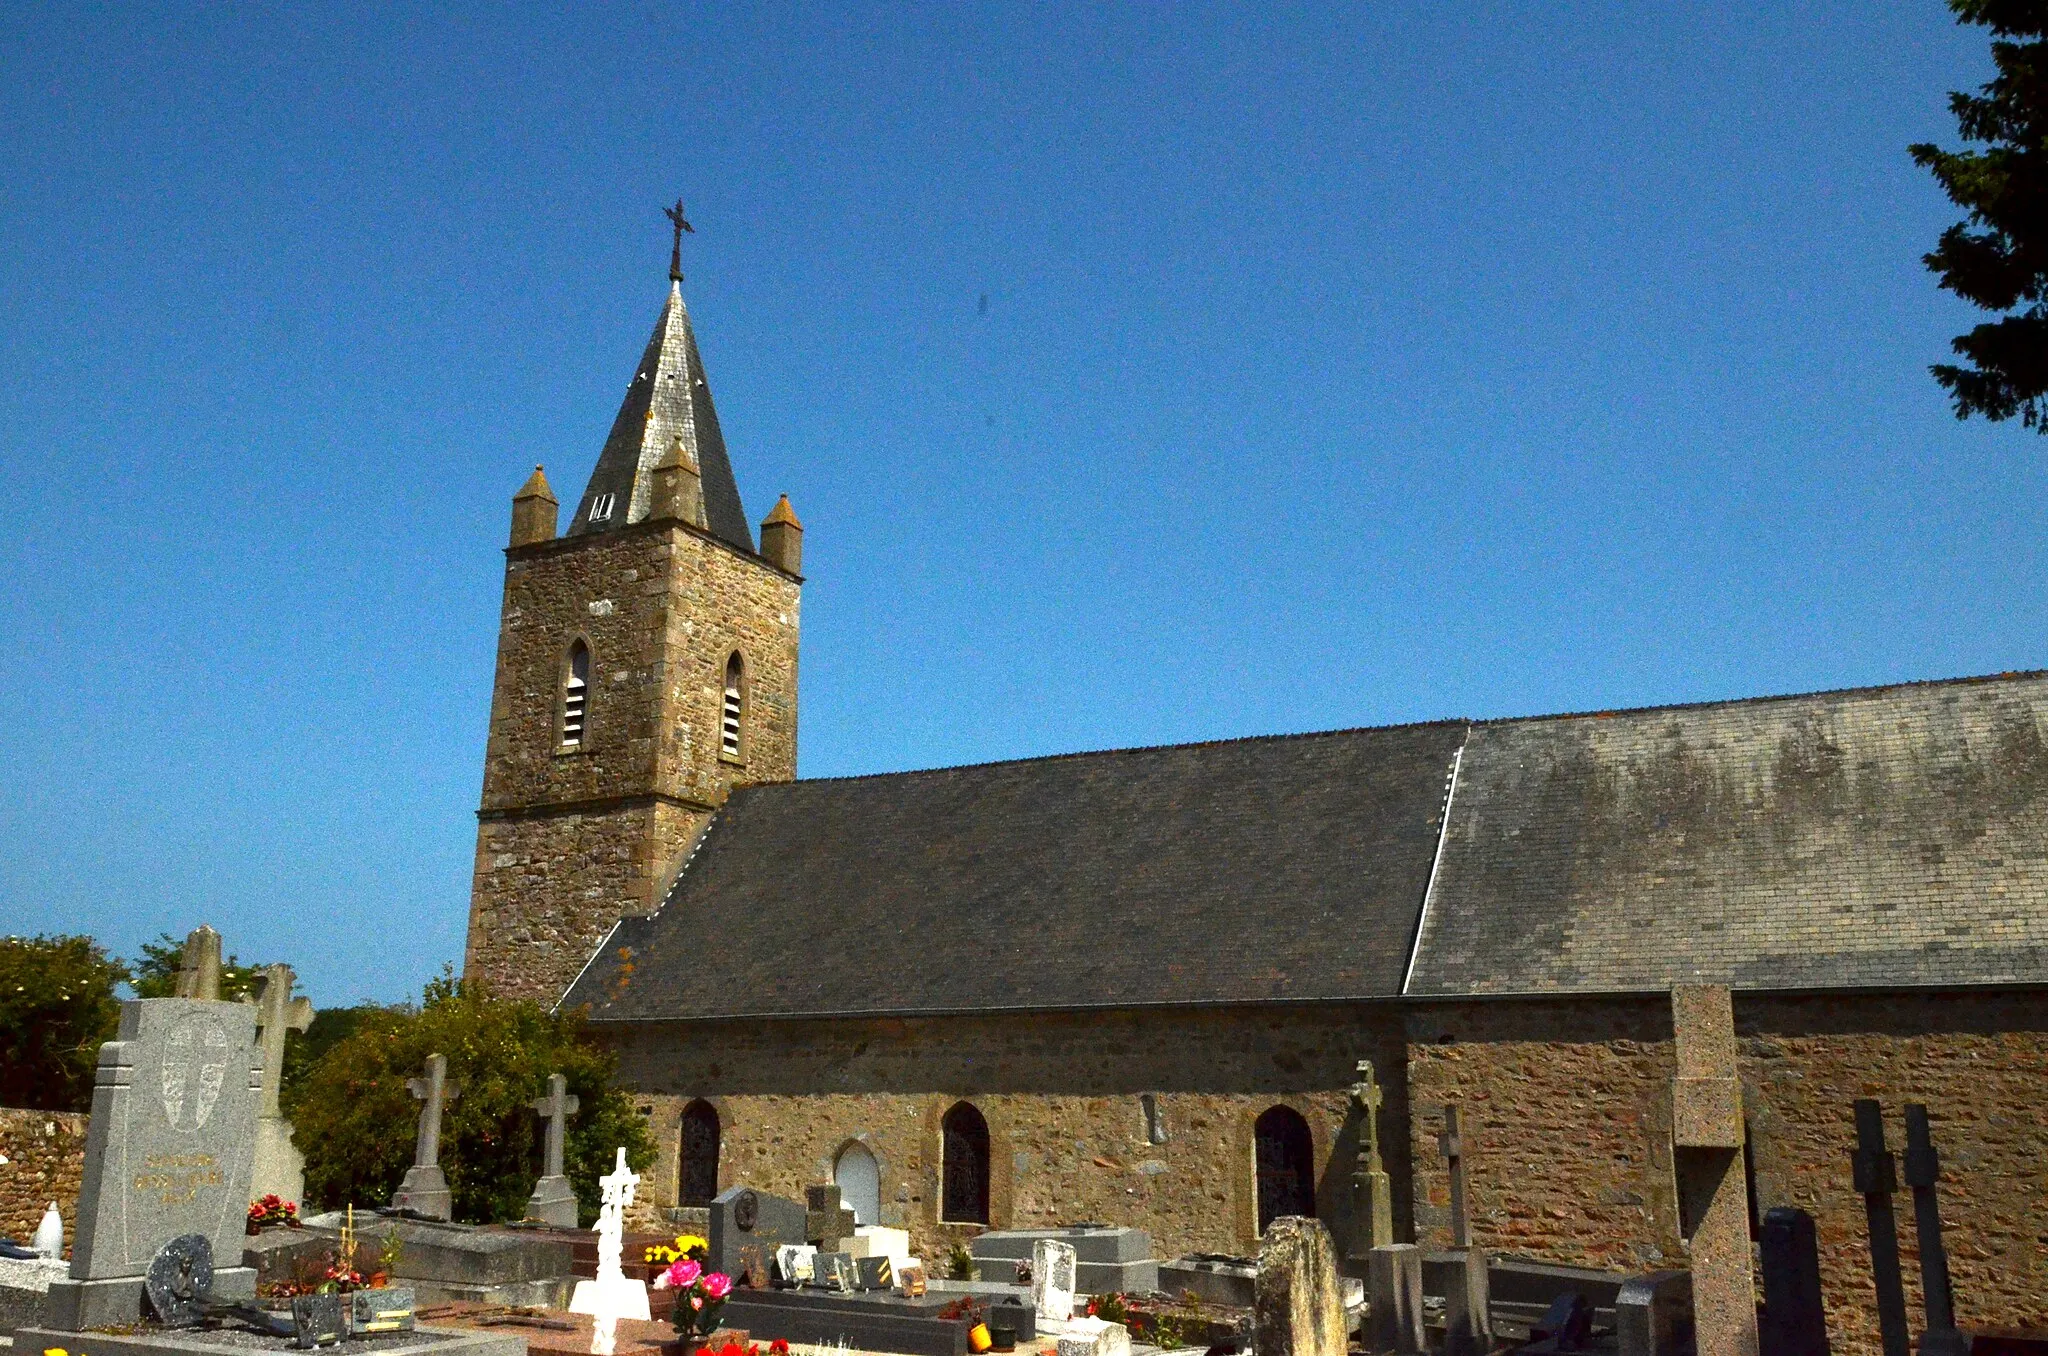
[
  {"x": 1252, "y": 870},
  {"x": 668, "y": 396},
  {"x": 1882, "y": 836}
]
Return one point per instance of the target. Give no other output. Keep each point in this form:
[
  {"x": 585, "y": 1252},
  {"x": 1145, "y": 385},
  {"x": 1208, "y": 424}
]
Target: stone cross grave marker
[
  {"x": 279, "y": 1166},
  {"x": 1468, "y": 1322},
  {"x": 1706, "y": 1138},
  {"x": 554, "y": 1200},
  {"x": 199, "y": 969},
  {"x": 425, "y": 1188},
  {"x": 167, "y": 1153},
  {"x": 1297, "y": 1304},
  {"x": 613, "y": 1295},
  {"x": 1372, "y": 1195},
  {"x": 1875, "y": 1177},
  {"x": 1923, "y": 1172},
  {"x": 1053, "y": 1267},
  {"x": 1393, "y": 1284},
  {"x": 827, "y": 1220}
]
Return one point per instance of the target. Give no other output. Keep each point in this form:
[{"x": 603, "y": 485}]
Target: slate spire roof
[{"x": 668, "y": 398}]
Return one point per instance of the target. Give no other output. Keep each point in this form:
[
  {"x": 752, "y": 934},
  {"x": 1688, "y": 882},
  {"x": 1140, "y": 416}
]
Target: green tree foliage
[
  {"x": 57, "y": 1007},
  {"x": 354, "y": 1119},
  {"x": 1998, "y": 258},
  {"x": 155, "y": 972}
]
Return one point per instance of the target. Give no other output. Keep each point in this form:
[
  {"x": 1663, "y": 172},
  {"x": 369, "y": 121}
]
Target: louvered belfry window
[
  {"x": 729, "y": 726},
  {"x": 575, "y": 693}
]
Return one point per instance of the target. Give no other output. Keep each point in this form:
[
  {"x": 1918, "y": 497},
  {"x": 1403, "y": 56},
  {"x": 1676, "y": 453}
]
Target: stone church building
[{"x": 1134, "y": 986}]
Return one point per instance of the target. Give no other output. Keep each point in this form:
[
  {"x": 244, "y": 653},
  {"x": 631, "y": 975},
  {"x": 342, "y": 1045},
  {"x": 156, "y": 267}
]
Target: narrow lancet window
[
  {"x": 575, "y": 693},
  {"x": 729, "y": 727}
]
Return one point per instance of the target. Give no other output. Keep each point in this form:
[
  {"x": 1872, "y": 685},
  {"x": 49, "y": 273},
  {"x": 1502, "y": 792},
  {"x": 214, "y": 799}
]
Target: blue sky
[{"x": 1340, "y": 366}]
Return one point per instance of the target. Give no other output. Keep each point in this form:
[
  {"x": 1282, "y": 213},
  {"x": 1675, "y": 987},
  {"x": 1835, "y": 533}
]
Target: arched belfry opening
[
  {"x": 732, "y": 718},
  {"x": 575, "y": 695},
  {"x": 963, "y": 1194},
  {"x": 1284, "y": 1157}
]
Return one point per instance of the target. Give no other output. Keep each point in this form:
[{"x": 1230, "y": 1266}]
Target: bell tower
[{"x": 647, "y": 665}]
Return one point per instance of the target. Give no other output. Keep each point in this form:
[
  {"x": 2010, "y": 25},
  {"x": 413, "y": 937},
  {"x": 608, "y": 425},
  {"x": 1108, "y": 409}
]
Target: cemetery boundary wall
[{"x": 45, "y": 1152}]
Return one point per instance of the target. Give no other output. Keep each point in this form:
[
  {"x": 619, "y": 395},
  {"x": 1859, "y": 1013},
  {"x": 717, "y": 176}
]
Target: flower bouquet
[
  {"x": 272, "y": 1212},
  {"x": 700, "y": 1294}
]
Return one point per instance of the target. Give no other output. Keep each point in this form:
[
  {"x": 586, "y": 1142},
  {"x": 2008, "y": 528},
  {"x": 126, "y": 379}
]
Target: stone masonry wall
[
  {"x": 45, "y": 1152},
  {"x": 1061, "y": 1094},
  {"x": 571, "y": 838},
  {"x": 1566, "y": 1110}
]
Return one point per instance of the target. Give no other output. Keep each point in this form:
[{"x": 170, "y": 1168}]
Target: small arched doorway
[
  {"x": 697, "y": 1170},
  {"x": 1285, "y": 1158},
  {"x": 859, "y": 1179},
  {"x": 963, "y": 1187}
]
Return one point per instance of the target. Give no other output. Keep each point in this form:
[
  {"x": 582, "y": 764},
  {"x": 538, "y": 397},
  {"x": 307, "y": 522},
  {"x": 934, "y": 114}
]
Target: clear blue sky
[{"x": 1340, "y": 366}]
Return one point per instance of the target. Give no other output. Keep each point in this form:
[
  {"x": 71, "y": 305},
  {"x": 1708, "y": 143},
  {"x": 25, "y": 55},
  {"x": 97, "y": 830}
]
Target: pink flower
[
  {"x": 683, "y": 1274},
  {"x": 718, "y": 1285},
  {"x": 696, "y": 1301},
  {"x": 661, "y": 1279}
]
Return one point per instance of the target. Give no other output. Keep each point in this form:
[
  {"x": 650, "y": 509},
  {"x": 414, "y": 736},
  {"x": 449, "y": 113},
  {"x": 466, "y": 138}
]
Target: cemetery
[{"x": 169, "y": 1246}]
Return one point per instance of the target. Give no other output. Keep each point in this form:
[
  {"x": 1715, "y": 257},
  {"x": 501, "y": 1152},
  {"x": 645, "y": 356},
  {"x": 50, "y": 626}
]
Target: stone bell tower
[{"x": 646, "y": 666}]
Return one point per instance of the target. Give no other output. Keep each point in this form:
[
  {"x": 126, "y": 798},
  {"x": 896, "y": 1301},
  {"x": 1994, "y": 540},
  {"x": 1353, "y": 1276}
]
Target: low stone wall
[{"x": 45, "y": 1152}]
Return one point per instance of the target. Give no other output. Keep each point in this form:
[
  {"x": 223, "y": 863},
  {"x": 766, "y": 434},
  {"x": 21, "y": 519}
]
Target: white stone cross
[
  {"x": 555, "y": 1109},
  {"x": 435, "y": 1091},
  {"x": 612, "y": 1296},
  {"x": 276, "y": 1013}
]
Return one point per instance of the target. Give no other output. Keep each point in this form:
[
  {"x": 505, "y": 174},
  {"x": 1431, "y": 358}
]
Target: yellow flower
[{"x": 57, "y": 1351}]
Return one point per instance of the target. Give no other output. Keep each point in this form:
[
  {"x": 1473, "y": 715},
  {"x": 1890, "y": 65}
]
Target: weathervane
[{"x": 675, "y": 258}]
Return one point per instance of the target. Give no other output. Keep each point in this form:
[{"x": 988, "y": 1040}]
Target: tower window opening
[
  {"x": 575, "y": 692},
  {"x": 729, "y": 725},
  {"x": 601, "y": 511}
]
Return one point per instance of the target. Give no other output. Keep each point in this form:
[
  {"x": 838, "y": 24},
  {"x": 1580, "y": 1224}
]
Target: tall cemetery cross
[
  {"x": 1876, "y": 1177},
  {"x": 1453, "y": 1149},
  {"x": 435, "y": 1091},
  {"x": 555, "y": 1109},
  {"x": 675, "y": 257},
  {"x": 1369, "y": 1186},
  {"x": 1923, "y": 1171},
  {"x": 1468, "y": 1325},
  {"x": 199, "y": 967},
  {"x": 277, "y": 1012}
]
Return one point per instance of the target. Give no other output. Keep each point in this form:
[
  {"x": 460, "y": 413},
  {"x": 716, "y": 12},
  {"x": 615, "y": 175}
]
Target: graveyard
[{"x": 187, "y": 1235}]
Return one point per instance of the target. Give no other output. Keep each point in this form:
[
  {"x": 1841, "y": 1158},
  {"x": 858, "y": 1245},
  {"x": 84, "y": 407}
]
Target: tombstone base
[
  {"x": 73, "y": 1306},
  {"x": 421, "y": 1341},
  {"x": 425, "y": 1192},
  {"x": 553, "y": 1202},
  {"x": 279, "y": 1168}
]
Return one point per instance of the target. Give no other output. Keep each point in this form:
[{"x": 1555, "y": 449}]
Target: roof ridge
[{"x": 1967, "y": 680}]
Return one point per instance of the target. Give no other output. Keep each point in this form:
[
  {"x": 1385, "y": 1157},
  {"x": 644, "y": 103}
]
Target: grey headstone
[
  {"x": 1794, "y": 1321},
  {"x": 180, "y": 1281},
  {"x": 747, "y": 1226},
  {"x": 173, "y": 1122},
  {"x": 1299, "y": 1307}
]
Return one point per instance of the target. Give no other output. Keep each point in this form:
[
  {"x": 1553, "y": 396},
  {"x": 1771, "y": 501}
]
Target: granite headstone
[
  {"x": 747, "y": 1226},
  {"x": 167, "y": 1154}
]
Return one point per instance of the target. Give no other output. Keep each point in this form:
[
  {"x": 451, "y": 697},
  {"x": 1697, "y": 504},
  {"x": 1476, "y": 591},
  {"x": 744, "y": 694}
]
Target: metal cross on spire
[{"x": 675, "y": 258}]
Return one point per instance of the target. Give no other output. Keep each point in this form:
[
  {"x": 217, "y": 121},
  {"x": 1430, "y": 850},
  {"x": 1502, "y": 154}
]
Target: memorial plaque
[
  {"x": 173, "y": 1125},
  {"x": 836, "y": 1271},
  {"x": 875, "y": 1273},
  {"x": 180, "y": 1281},
  {"x": 387, "y": 1310},
  {"x": 316, "y": 1321}
]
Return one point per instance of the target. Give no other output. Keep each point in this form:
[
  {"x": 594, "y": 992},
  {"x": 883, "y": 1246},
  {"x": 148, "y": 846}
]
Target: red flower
[{"x": 778, "y": 1348}]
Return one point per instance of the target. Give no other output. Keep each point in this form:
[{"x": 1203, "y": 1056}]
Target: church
[{"x": 1136, "y": 986}]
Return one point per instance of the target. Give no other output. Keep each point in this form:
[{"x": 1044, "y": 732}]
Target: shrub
[
  {"x": 57, "y": 1007},
  {"x": 355, "y": 1121}
]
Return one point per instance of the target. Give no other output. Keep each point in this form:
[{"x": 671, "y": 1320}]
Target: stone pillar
[
  {"x": 1393, "y": 1298},
  {"x": 1297, "y": 1306},
  {"x": 1706, "y": 1137},
  {"x": 1653, "y": 1315}
]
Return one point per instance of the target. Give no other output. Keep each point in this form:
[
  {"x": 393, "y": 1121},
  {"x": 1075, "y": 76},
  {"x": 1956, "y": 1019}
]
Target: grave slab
[
  {"x": 1213, "y": 1278},
  {"x": 237, "y": 1342},
  {"x": 870, "y": 1322}
]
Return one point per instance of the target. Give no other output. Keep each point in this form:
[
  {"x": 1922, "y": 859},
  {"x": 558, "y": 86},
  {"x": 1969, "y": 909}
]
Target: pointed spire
[
  {"x": 782, "y": 538},
  {"x": 667, "y": 399},
  {"x": 533, "y": 511}
]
